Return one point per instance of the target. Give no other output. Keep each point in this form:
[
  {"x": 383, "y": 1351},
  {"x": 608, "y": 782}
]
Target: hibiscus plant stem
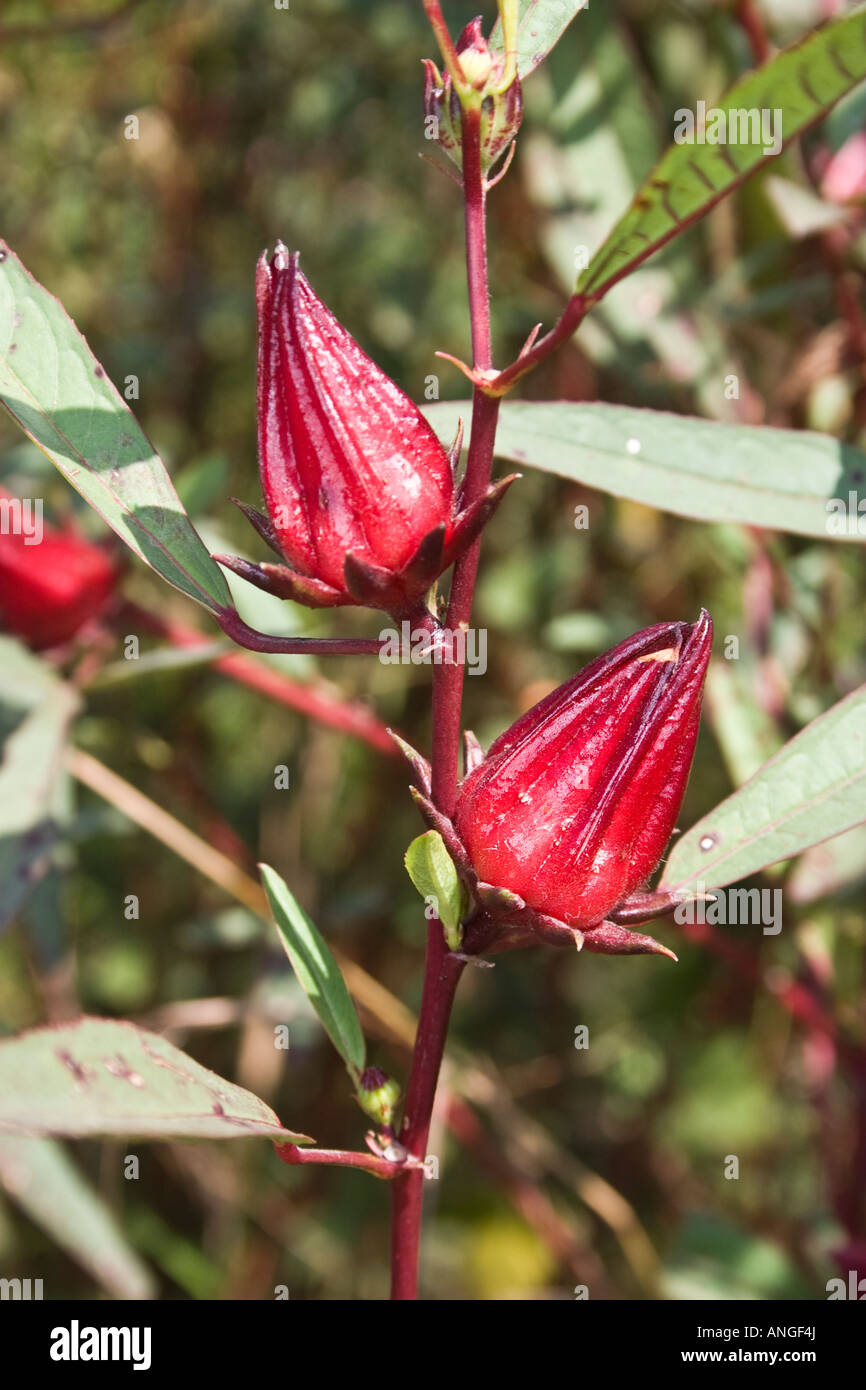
[{"x": 442, "y": 968}]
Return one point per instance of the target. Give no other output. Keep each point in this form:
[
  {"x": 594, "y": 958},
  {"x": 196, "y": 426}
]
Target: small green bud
[{"x": 377, "y": 1095}]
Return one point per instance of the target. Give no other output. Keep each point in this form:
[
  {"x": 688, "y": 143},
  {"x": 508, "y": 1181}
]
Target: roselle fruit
[
  {"x": 573, "y": 806},
  {"x": 49, "y": 590},
  {"x": 361, "y": 500}
]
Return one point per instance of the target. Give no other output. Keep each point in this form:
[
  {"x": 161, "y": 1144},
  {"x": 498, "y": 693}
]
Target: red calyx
[
  {"x": 51, "y": 589},
  {"x": 359, "y": 492},
  {"x": 575, "y": 803}
]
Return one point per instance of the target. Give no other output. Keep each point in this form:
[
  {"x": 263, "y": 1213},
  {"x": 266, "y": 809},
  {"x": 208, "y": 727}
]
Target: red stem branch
[
  {"x": 338, "y": 1158},
  {"x": 442, "y": 970},
  {"x": 436, "y": 19},
  {"x": 235, "y": 628},
  {"x": 567, "y": 325},
  {"x": 750, "y": 21}
]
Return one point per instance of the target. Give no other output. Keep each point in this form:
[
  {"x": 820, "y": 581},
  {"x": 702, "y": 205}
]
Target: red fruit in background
[
  {"x": 359, "y": 492},
  {"x": 50, "y": 589},
  {"x": 575, "y": 803}
]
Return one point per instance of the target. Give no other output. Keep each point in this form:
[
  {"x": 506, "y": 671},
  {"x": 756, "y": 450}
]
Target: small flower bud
[
  {"x": 489, "y": 87},
  {"x": 378, "y": 1094},
  {"x": 477, "y": 65}
]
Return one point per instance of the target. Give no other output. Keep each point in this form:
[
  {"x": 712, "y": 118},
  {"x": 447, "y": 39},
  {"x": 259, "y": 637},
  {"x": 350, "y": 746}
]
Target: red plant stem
[
  {"x": 475, "y": 209},
  {"x": 338, "y": 1158},
  {"x": 314, "y": 701},
  {"x": 318, "y": 704},
  {"x": 235, "y": 628},
  {"x": 448, "y": 690},
  {"x": 752, "y": 24},
  {"x": 436, "y": 19},
  {"x": 566, "y": 326},
  {"x": 442, "y": 970}
]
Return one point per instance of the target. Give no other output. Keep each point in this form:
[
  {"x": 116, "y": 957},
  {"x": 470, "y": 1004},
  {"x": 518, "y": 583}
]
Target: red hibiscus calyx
[
  {"x": 557, "y": 830},
  {"x": 52, "y": 581},
  {"x": 362, "y": 506}
]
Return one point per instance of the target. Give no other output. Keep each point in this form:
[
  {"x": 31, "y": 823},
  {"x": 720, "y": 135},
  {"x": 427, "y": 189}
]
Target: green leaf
[
  {"x": 751, "y": 474},
  {"x": 580, "y": 172},
  {"x": 317, "y": 971},
  {"x": 35, "y": 712},
  {"x": 98, "y": 1076},
  {"x": 52, "y": 385},
  {"x": 540, "y": 26},
  {"x": 829, "y": 868},
  {"x": 41, "y": 1177},
  {"x": 811, "y": 789},
  {"x": 804, "y": 82},
  {"x": 432, "y": 870},
  {"x": 746, "y": 734}
]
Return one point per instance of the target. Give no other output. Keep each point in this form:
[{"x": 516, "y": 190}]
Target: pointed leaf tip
[{"x": 317, "y": 971}]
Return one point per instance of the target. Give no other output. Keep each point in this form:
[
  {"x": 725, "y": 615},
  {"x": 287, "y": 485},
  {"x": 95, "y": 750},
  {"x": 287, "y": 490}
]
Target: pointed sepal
[
  {"x": 261, "y": 523},
  {"x": 609, "y": 939},
  {"x": 436, "y": 821},
  {"x": 499, "y": 902},
  {"x": 457, "y": 447},
  {"x": 282, "y": 582},
  {"x": 418, "y": 763},
  {"x": 426, "y": 564},
  {"x": 642, "y": 907},
  {"x": 473, "y": 753},
  {"x": 472, "y": 519}
]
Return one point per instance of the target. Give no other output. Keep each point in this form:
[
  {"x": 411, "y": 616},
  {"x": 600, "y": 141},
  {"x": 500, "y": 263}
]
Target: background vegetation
[{"x": 558, "y": 1165}]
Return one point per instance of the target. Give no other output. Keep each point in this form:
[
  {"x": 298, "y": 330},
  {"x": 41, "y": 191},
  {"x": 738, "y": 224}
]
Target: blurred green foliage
[{"x": 306, "y": 125}]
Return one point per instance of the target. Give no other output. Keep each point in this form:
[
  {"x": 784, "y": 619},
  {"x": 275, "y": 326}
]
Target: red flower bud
[
  {"x": 575, "y": 803},
  {"x": 360, "y": 493},
  {"x": 49, "y": 587}
]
